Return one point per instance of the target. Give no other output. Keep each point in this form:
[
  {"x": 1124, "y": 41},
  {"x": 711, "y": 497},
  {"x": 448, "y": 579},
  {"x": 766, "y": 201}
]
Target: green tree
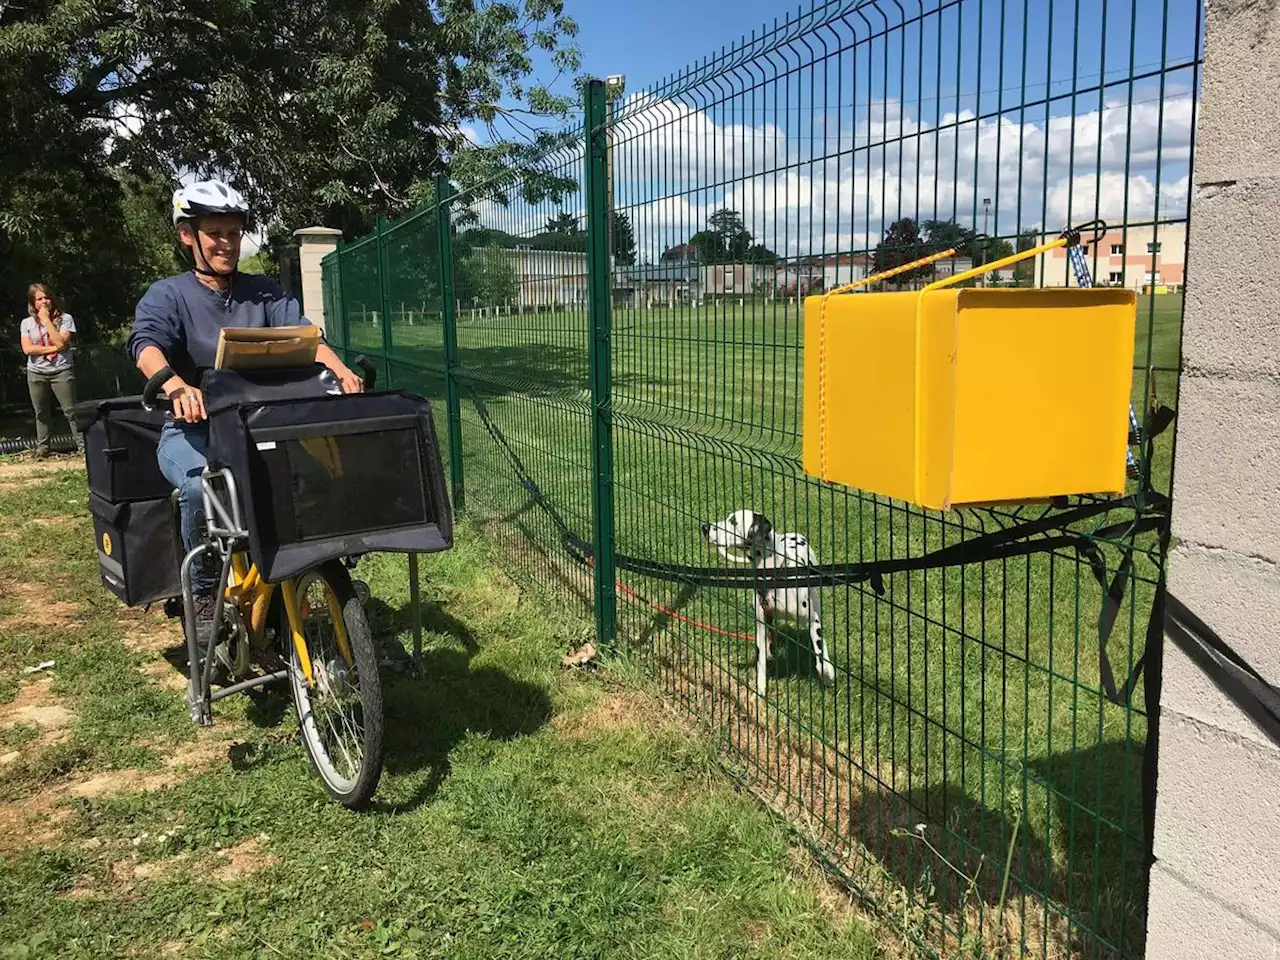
[
  {"x": 485, "y": 276},
  {"x": 901, "y": 244},
  {"x": 331, "y": 112},
  {"x": 727, "y": 240},
  {"x": 624, "y": 239},
  {"x": 563, "y": 223},
  {"x": 947, "y": 234},
  {"x": 563, "y": 232},
  {"x": 1024, "y": 273}
]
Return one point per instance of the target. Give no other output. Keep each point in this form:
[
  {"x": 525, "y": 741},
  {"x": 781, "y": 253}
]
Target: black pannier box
[
  {"x": 138, "y": 552},
  {"x": 328, "y": 476},
  {"x": 120, "y": 440}
]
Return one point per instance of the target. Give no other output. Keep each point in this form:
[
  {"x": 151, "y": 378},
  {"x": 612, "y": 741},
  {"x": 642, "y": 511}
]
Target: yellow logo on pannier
[{"x": 106, "y": 544}]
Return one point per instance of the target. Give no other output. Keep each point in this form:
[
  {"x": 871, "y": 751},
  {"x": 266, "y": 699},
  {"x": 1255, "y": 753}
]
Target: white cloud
[{"x": 818, "y": 190}]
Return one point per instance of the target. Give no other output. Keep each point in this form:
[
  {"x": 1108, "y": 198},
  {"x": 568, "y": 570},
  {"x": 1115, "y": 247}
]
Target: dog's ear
[{"x": 761, "y": 529}]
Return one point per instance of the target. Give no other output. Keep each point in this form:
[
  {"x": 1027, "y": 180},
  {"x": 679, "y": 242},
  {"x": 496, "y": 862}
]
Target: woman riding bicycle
[{"x": 176, "y": 325}]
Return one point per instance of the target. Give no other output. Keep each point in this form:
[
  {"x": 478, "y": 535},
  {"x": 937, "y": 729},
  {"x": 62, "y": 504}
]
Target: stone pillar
[
  {"x": 1214, "y": 887},
  {"x": 314, "y": 244}
]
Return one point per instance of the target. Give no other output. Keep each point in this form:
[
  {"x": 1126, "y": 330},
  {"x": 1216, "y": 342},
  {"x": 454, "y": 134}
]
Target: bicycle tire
[{"x": 351, "y": 788}]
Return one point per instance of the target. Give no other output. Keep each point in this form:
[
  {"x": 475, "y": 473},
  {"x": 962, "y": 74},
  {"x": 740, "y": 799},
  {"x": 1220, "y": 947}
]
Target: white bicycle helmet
[{"x": 207, "y": 197}]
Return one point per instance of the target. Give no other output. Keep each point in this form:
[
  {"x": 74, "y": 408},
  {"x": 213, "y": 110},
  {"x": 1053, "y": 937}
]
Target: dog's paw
[{"x": 828, "y": 671}]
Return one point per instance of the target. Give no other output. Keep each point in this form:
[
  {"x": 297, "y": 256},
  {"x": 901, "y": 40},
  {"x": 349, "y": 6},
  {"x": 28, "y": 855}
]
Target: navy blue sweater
[{"x": 182, "y": 317}]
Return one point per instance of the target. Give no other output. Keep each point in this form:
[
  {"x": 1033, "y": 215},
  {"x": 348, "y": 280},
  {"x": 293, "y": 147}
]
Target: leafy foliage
[
  {"x": 563, "y": 232},
  {"x": 485, "y": 276},
  {"x": 331, "y": 113},
  {"x": 726, "y": 240},
  {"x": 901, "y": 244}
]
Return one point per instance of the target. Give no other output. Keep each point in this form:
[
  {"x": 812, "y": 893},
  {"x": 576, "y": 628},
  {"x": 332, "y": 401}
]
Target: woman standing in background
[{"x": 46, "y": 340}]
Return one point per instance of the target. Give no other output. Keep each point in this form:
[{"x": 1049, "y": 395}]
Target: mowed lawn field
[
  {"x": 527, "y": 810},
  {"x": 972, "y": 692}
]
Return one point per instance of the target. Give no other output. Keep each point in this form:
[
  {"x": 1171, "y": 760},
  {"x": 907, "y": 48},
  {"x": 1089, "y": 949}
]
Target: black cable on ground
[{"x": 59, "y": 444}]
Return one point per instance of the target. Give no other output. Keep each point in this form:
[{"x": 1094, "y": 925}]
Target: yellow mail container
[{"x": 955, "y": 397}]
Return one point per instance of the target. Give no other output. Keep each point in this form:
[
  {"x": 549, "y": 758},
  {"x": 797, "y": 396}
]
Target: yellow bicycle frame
[{"x": 252, "y": 596}]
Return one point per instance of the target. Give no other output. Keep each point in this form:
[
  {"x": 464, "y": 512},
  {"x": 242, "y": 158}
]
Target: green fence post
[
  {"x": 344, "y": 333},
  {"x": 599, "y": 358},
  {"x": 453, "y": 407},
  {"x": 384, "y": 309}
]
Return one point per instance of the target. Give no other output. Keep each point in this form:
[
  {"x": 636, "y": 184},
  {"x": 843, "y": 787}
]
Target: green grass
[
  {"x": 971, "y": 694},
  {"x": 525, "y": 811}
]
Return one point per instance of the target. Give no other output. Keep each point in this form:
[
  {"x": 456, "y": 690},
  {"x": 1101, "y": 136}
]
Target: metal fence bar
[
  {"x": 384, "y": 299},
  {"x": 453, "y": 408},
  {"x": 599, "y": 272}
]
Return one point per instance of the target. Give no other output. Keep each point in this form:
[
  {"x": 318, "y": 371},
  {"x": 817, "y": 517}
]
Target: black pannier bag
[
  {"x": 138, "y": 552},
  {"x": 120, "y": 440},
  {"x": 328, "y": 476},
  {"x": 134, "y": 524}
]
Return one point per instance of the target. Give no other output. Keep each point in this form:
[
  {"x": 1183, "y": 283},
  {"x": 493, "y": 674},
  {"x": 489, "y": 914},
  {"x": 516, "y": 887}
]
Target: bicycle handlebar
[
  {"x": 152, "y": 390},
  {"x": 368, "y": 372}
]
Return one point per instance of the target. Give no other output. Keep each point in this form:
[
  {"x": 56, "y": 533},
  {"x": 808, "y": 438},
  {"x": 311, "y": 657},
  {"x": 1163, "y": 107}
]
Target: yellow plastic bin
[{"x": 959, "y": 397}]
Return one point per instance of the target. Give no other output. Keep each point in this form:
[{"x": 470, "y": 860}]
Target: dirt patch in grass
[
  {"x": 165, "y": 674},
  {"x": 756, "y": 933},
  {"x": 36, "y": 608},
  {"x": 20, "y": 469},
  {"x": 188, "y": 759},
  {"x": 36, "y": 705},
  {"x": 617, "y": 710},
  {"x": 57, "y": 523},
  {"x": 149, "y": 632},
  {"x": 34, "y": 822},
  {"x": 18, "y": 474},
  {"x": 243, "y": 860},
  {"x": 37, "y": 819}
]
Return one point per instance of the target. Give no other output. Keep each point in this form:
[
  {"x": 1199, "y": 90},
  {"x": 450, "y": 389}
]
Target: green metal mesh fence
[{"x": 614, "y": 335}]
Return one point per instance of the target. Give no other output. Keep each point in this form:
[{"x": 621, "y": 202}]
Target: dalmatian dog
[{"x": 748, "y": 537}]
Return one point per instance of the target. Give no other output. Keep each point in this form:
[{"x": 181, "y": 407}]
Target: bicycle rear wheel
[{"x": 340, "y": 712}]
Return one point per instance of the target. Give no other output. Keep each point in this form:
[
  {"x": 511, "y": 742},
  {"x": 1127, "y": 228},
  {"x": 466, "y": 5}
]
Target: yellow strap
[
  {"x": 996, "y": 265},
  {"x": 893, "y": 271}
]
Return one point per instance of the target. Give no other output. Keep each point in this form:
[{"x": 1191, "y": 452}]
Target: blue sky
[{"x": 647, "y": 41}]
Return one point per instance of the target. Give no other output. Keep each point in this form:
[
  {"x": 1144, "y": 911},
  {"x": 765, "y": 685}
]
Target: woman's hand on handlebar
[
  {"x": 351, "y": 383},
  {"x": 187, "y": 403}
]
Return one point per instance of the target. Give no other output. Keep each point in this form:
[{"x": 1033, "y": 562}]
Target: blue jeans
[{"x": 182, "y": 457}]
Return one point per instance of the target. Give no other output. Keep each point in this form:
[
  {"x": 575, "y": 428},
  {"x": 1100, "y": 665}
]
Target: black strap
[
  {"x": 1023, "y": 539},
  {"x": 1111, "y": 603},
  {"x": 1152, "y": 680},
  {"x": 1230, "y": 672}
]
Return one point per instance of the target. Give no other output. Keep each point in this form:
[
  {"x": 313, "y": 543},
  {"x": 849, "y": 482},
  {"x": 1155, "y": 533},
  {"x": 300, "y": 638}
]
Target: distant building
[
  {"x": 549, "y": 278},
  {"x": 1137, "y": 258},
  {"x": 661, "y": 284}
]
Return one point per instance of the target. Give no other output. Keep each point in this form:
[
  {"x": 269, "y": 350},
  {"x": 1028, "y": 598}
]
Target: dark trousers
[{"x": 44, "y": 387}]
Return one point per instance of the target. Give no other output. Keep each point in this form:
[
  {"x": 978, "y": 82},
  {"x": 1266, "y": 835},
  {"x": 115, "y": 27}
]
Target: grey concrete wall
[
  {"x": 314, "y": 244},
  {"x": 1215, "y": 887}
]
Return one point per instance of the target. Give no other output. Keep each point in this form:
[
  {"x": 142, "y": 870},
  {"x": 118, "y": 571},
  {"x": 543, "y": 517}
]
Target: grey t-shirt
[{"x": 35, "y": 331}]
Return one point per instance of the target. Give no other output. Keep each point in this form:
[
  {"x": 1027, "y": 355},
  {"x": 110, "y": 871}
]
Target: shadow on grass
[
  {"x": 428, "y": 715},
  {"x": 1068, "y": 824},
  {"x": 1073, "y": 879}
]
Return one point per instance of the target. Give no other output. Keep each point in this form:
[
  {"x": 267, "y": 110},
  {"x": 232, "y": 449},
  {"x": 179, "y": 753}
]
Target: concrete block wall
[
  {"x": 314, "y": 244},
  {"x": 1215, "y": 886}
]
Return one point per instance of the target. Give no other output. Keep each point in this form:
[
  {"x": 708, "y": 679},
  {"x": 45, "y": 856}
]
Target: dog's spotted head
[{"x": 739, "y": 536}]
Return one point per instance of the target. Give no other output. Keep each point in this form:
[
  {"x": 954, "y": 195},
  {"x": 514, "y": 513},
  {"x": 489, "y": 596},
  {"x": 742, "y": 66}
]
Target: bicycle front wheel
[{"x": 335, "y": 683}]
